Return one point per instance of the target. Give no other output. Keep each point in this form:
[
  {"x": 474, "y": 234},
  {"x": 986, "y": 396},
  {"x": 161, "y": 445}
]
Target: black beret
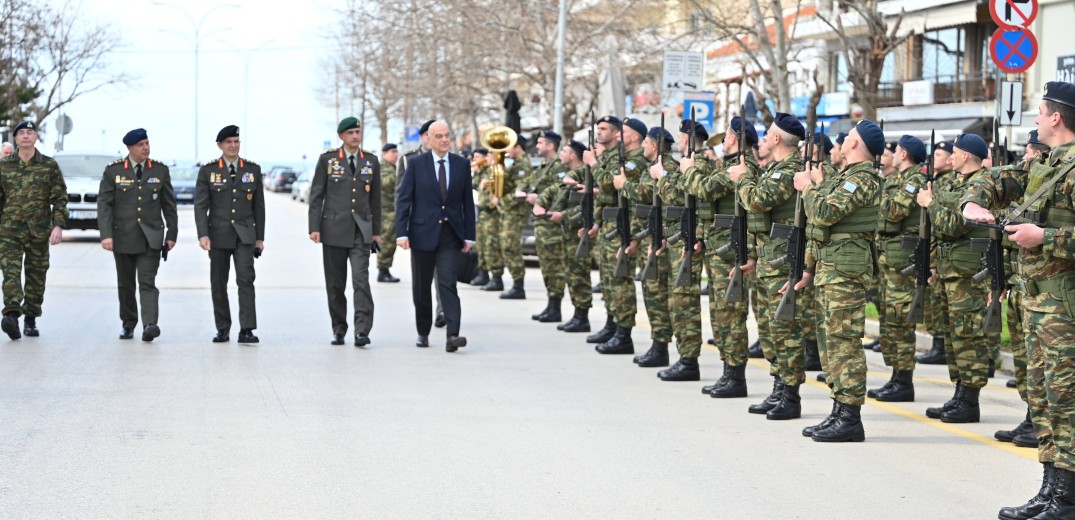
[
  {"x": 226, "y": 132},
  {"x": 636, "y": 124},
  {"x": 1033, "y": 138},
  {"x": 466, "y": 152},
  {"x": 945, "y": 146},
  {"x": 974, "y": 144},
  {"x": 750, "y": 133},
  {"x": 550, "y": 136},
  {"x": 388, "y": 146},
  {"x": 425, "y": 126},
  {"x": 700, "y": 133},
  {"x": 483, "y": 151},
  {"x": 1060, "y": 92},
  {"x": 24, "y": 124},
  {"x": 872, "y": 135},
  {"x": 520, "y": 141},
  {"x": 612, "y": 120},
  {"x": 891, "y": 146},
  {"x": 790, "y": 124},
  {"x": 914, "y": 147},
  {"x": 577, "y": 146},
  {"x": 346, "y": 124},
  {"x": 826, "y": 143},
  {"x": 135, "y": 136},
  {"x": 657, "y": 133},
  {"x": 840, "y": 137}
]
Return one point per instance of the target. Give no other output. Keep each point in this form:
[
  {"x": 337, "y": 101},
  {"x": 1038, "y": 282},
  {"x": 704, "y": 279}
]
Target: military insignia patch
[
  {"x": 154, "y": 196},
  {"x": 909, "y": 188},
  {"x": 850, "y": 187},
  {"x": 248, "y": 178},
  {"x": 367, "y": 188},
  {"x": 630, "y": 165},
  {"x": 249, "y": 196},
  {"x": 776, "y": 175},
  {"x": 366, "y": 170},
  {"x": 153, "y": 180}
]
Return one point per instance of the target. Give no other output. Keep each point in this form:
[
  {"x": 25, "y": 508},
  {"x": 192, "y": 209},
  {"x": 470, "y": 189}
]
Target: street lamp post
[{"x": 197, "y": 26}]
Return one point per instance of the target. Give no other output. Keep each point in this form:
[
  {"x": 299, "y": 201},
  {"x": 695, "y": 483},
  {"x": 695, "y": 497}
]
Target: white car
[
  {"x": 300, "y": 189},
  {"x": 82, "y": 174}
]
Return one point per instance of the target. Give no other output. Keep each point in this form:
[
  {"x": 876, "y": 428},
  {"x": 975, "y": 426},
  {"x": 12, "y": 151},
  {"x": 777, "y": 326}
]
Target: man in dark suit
[
  {"x": 345, "y": 216},
  {"x": 229, "y": 211},
  {"x": 435, "y": 216},
  {"x": 135, "y": 203}
]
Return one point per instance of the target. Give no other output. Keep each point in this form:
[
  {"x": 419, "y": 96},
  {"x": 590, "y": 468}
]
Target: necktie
[
  {"x": 442, "y": 179},
  {"x": 231, "y": 170},
  {"x": 352, "y": 164},
  {"x": 138, "y": 171}
]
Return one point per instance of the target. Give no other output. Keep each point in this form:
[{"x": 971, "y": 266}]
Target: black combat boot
[
  {"x": 902, "y": 389},
  {"x": 847, "y": 427},
  {"x": 1024, "y": 427},
  {"x": 10, "y": 325},
  {"x": 604, "y": 334},
  {"x": 825, "y": 423},
  {"x": 936, "y": 411},
  {"x": 992, "y": 368},
  {"x": 495, "y": 284},
  {"x": 1037, "y": 503},
  {"x": 29, "y": 327},
  {"x": 621, "y": 343},
  {"x": 869, "y": 344},
  {"x": 1062, "y": 502},
  {"x": 965, "y": 410},
  {"x": 543, "y": 312},
  {"x": 734, "y": 386},
  {"x": 823, "y": 378},
  {"x": 771, "y": 401},
  {"x": 686, "y": 369},
  {"x": 935, "y": 356},
  {"x": 552, "y": 314},
  {"x": 754, "y": 350},
  {"x": 596, "y": 289},
  {"x": 813, "y": 359},
  {"x": 656, "y": 356},
  {"x": 1026, "y": 440},
  {"x": 580, "y": 322},
  {"x": 515, "y": 293},
  {"x": 384, "y": 275},
  {"x": 789, "y": 407},
  {"x": 721, "y": 381},
  {"x": 481, "y": 279},
  {"x": 888, "y": 384},
  {"x": 1012, "y": 383}
]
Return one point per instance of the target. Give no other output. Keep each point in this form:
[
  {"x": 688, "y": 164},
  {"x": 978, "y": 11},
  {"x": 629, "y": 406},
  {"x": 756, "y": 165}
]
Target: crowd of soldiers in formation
[{"x": 805, "y": 229}]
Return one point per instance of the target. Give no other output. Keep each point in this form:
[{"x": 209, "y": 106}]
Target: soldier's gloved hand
[{"x": 205, "y": 243}]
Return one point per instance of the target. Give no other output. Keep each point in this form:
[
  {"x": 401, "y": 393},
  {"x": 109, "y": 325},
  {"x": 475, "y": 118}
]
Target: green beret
[{"x": 348, "y": 123}]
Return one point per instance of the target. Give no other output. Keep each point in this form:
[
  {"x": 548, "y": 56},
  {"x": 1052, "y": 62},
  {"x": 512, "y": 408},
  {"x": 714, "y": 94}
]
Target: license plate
[
  {"x": 184, "y": 196},
  {"x": 83, "y": 215}
]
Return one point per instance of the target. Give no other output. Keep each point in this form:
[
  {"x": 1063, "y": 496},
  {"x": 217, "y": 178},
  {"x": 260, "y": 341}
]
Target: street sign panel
[
  {"x": 1013, "y": 14},
  {"x": 704, "y": 107},
  {"x": 1013, "y": 51},
  {"x": 1011, "y": 103},
  {"x": 1065, "y": 69},
  {"x": 683, "y": 70}
]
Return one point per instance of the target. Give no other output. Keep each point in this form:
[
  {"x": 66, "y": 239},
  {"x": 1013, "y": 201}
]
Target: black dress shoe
[
  {"x": 151, "y": 332},
  {"x": 454, "y": 343},
  {"x": 385, "y": 276},
  {"x": 361, "y": 339},
  {"x": 29, "y": 328},
  {"x": 337, "y": 339},
  {"x": 221, "y": 337},
  {"x": 440, "y": 322},
  {"x": 10, "y": 325},
  {"x": 126, "y": 333},
  {"x": 422, "y": 341},
  {"x": 247, "y": 336}
]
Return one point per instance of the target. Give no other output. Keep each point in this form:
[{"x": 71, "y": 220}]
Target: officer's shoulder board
[
  {"x": 330, "y": 150},
  {"x": 251, "y": 163},
  {"x": 113, "y": 163}
]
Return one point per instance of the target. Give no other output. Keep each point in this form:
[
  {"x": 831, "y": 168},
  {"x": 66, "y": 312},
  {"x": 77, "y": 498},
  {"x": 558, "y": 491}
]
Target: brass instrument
[{"x": 499, "y": 140}]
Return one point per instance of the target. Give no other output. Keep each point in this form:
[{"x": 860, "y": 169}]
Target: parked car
[
  {"x": 300, "y": 189},
  {"x": 183, "y": 180},
  {"x": 82, "y": 174},
  {"x": 280, "y": 178}
]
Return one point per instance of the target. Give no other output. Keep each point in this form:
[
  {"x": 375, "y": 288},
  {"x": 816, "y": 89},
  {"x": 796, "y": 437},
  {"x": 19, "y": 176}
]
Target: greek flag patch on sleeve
[
  {"x": 850, "y": 187},
  {"x": 910, "y": 189}
]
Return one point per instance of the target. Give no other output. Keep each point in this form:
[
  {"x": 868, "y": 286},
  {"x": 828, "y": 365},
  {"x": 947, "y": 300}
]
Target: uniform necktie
[
  {"x": 352, "y": 160},
  {"x": 231, "y": 170},
  {"x": 442, "y": 179},
  {"x": 138, "y": 171}
]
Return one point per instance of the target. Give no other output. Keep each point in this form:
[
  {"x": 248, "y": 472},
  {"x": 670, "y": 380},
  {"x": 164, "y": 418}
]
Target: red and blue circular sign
[{"x": 1013, "y": 51}]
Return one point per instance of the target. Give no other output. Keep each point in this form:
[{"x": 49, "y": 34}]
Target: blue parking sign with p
[{"x": 703, "y": 111}]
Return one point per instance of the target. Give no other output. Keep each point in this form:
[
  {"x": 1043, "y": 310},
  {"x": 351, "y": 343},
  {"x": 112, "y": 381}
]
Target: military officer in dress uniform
[
  {"x": 229, "y": 211},
  {"x": 345, "y": 217},
  {"x": 136, "y": 212}
]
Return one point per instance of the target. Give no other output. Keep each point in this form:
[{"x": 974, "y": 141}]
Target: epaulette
[
  {"x": 117, "y": 161},
  {"x": 367, "y": 152},
  {"x": 330, "y": 150},
  {"x": 248, "y": 161}
]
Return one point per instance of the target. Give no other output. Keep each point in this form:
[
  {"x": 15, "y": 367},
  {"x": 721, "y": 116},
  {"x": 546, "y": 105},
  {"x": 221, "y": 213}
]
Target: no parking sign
[{"x": 1013, "y": 51}]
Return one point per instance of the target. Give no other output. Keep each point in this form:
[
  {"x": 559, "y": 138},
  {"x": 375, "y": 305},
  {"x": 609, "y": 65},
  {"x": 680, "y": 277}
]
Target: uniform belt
[
  {"x": 944, "y": 249},
  {"x": 1050, "y": 285}
]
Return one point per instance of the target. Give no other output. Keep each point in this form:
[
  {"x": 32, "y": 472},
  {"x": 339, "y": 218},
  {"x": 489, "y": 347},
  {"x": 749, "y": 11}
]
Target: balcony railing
[{"x": 946, "y": 89}]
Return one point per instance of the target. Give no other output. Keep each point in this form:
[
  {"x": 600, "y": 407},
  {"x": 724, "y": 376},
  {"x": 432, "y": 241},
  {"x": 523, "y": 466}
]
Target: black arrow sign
[{"x": 1011, "y": 101}]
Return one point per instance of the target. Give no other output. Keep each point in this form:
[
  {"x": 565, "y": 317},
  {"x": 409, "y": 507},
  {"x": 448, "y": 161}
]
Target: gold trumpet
[{"x": 499, "y": 140}]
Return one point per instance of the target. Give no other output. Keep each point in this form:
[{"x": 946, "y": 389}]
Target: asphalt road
[{"x": 525, "y": 422}]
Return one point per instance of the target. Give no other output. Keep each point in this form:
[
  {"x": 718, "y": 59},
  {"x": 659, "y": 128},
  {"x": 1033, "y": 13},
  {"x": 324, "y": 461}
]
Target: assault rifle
[
  {"x": 920, "y": 266},
  {"x": 586, "y": 205},
  {"x": 688, "y": 223},
  {"x": 795, "y": 234},
  {"x": 652, "y": 214},
  {"x": 737, "y": 223},
  {"x": 623, "y": 223}
]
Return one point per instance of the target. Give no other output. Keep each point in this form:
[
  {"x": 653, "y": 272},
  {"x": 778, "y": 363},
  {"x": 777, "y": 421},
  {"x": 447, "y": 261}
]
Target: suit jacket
[
  {"x": 230, "y": 213},
  {"x": 137, "y": 214},
  {"x": 341, "y": 200},
  {"x": 420, "y": 210}
]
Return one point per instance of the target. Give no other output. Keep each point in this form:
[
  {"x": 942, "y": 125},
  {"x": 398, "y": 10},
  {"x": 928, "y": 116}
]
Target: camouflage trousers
[
  {"x": 619, "y": 293},
  {"x": 966, "y": 345},
  {"x": 488, "y": 231},
  {"x": 936, "y": 315},
  {"x": 841, "y": 309},
  {"x": 686, "y": 304},
  {"x": 552, "y": 257},
  {"x": 511, "y": 236},
  {"x": 728, "y": 320},
  {"x": 579, "y": 284},
  {"x": 897, "y": 332},
  {"x": 17, "y": 253},
  {"x": 388, "y": 240},
  {"x": 786, "y": 337},
  {"x": 1051, "y": 383},
  {"x": 655, "y": 294},
  {"x": 1014, "y": 316}
]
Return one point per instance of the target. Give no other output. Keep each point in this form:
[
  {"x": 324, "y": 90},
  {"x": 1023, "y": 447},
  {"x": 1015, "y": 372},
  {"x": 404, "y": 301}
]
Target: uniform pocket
[
  {"x": 964, "y": 261},
  {"x": 851, "y": 258}
]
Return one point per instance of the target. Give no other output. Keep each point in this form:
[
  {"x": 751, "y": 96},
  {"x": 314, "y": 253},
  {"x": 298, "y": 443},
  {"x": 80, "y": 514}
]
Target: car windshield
[
  {"x": 183, "y": 173},
  {"x": 83, "y": 165}
]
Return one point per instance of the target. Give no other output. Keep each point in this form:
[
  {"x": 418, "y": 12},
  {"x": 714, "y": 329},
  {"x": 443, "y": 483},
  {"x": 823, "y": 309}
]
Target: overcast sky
[{"x": 284, "y": 119}]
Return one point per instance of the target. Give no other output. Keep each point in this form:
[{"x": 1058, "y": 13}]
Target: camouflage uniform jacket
[
  {"x": 516, "y": 178},
  {"x": 835, "y": 201},
  {"x": 899, "y": 208},
  {"x": 634, "y": 165},
  {"x": 549, "y": 176},
  {"x": 760, "y": 192},
  {"x": 388, "y": 187},
  {"x": 33, "y": 196}
]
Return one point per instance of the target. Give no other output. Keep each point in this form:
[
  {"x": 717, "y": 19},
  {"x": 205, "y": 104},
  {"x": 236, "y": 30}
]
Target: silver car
[
  {"x": 300, "y": 189},
  {"x": 82, "y": 174}
]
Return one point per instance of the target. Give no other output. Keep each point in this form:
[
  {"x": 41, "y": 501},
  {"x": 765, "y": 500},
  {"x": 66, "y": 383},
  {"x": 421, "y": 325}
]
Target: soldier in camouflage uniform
[
  {"x": 601, "y": 162},
  {"x": 548, "y": 234},
  {"x": 655, "y": 292},
  {"x": 769, "y": 197},
  {"x": 967, "y": 350},
  {"x": 937, "y": 308},
  {"x": 899, "y": 217},
  {"x": 556, "y": 201},
  {"x": 490, "y": 263},
  {"x": 1045, "y": 274},
  {"x": 389, "y": 156},
  {"x": 33, "y": 211},
  {"x": 515, "y": 213},
  {"x": 841, "y": 219}
]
